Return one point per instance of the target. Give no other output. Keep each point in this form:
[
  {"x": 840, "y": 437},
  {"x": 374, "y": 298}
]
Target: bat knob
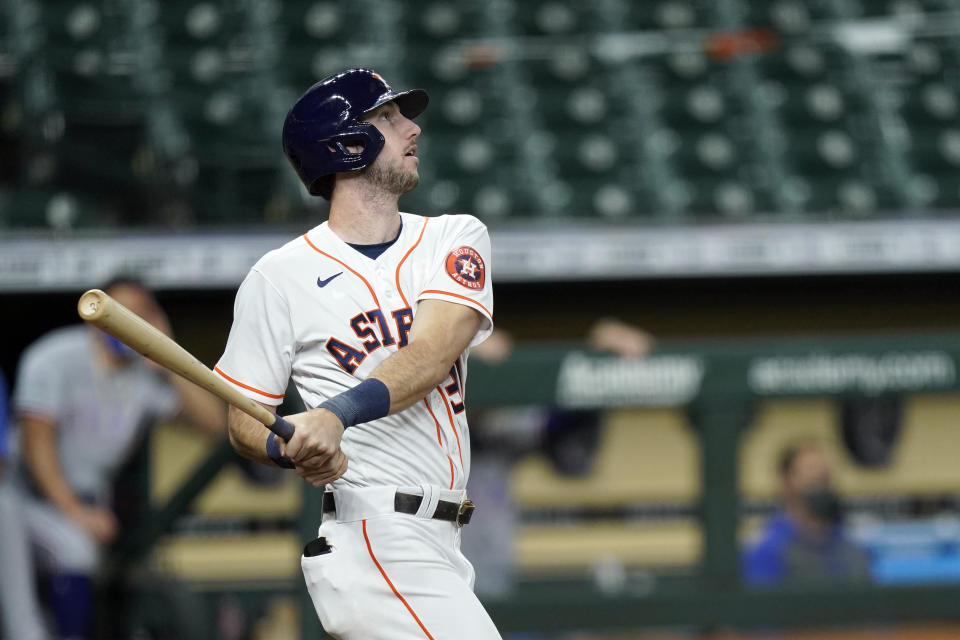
[{"x": 90, "y": 304}]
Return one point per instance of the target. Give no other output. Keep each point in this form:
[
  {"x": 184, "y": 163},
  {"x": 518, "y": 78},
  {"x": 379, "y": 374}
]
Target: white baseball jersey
[{"x": 318, "y": 311}]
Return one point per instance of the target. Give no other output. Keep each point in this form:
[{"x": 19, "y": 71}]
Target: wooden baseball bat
[{"x": 105, "y": 313}]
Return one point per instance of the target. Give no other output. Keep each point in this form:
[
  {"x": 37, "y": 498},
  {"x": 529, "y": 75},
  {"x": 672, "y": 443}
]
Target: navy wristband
[
  {"x": 273, "y": 450},
  {"x": 368, "y": 401}
]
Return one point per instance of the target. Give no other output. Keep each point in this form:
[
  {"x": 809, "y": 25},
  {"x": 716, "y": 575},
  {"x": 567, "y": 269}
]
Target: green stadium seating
[
  {"x": 668, "y": 15},
  {"x": 552, "y": 18},
  {"x": 797, "y": 62},
  {"x": 440, "y": 22},
  {"x": 542, "y": 108},
  {"x": 791, "y": 17}
]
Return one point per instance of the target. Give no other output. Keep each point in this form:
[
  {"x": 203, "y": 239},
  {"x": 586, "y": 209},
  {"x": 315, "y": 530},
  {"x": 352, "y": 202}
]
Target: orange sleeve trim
[
  {"x": 345, "y": 266},
  {"x": 452, "y": 425},
  {"x": 248, "y": 387},
  {"x": 405, "y": 256},
  {"x": 390, "y": 584},
  {"x": 457, "y": 295}
]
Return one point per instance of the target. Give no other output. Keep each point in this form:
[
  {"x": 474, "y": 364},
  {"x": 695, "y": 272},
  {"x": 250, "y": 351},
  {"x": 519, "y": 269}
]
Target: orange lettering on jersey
[{"x": 466, "y": 267}]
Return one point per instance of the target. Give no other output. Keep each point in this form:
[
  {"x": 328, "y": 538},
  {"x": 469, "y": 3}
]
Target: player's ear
[{"x": 352, "y": 146}]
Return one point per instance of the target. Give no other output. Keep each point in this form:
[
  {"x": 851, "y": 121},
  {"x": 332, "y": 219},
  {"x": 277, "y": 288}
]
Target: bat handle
[{"x": 282, "y": 428}]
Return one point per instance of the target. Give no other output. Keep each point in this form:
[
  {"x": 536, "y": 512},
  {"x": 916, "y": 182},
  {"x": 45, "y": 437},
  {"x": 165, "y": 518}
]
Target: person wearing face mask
[
  {"x": 805, "y": 541},
  {"x": 82, "y": 401}
]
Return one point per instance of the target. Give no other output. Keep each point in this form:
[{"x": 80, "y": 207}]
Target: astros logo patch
[{"x": 466, "y": 267}]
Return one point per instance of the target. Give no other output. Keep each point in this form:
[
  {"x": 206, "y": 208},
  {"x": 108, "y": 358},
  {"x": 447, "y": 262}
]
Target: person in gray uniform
[
  {"x": 19, "y": 609},
  {"x": 82, "y": 400}
]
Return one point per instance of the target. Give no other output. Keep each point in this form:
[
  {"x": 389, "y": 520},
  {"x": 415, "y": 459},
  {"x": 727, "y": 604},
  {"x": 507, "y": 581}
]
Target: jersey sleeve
[
  {"x": 259, "y": 353},
  {"x": 39, "y": 382},
  {"x": 461, "y": 271}
]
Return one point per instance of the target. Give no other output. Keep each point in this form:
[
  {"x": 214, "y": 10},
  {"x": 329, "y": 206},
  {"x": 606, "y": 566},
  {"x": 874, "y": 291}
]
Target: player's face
[
  {"x": 395, "y": 168},
  {"x": 811, "y": 470},
  {"x": 141, "y": 303}
]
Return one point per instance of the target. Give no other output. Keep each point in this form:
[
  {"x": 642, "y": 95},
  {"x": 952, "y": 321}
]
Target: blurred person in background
[
  {"x": 500, "y": 436},
  {"x": 19, "y": 609},
  {"x": 83, "y": 400},
  {"x": 805, "y": 541}
]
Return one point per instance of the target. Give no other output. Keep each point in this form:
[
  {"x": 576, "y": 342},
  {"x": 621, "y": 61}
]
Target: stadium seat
[
  {"x": 889, "y": 8},
  {"x": 77, "y": 23},
  {"x": 929, "y": 59},
  {"x": 439, "y": 22},
  {"x": 730, "y": 197},
  {"x": 705, "y": 152},
  {"x": 457, "y": 110},
  {"x": 937, "y": 191},
  {"x": 821, "y": 151},
  {"x": 681, "y": 70},
  {"x": 791, "y": 17},
  {"x": 580, "y": 108},
  {"x": 668, "y": 15},
  {"x": 848, "y": 194},
  {"x": 799, "y": 62},
  {"x": 821, "y": 103},
  {"x": 608, "y": 197},
  {"x": 225, "y": 74},
  {"x": 933, "y": 101},
  {"x": 321, "y": 23},
  {"x": 468, "y": 154},
  {"x": 699, "y": 106},
  {"x": 552, "y": 18},
  {"x": 935, "y": 150},
  {"x": 490, "y": 197},
  {"x": 192, "y": 23},
  {"x": 58, "y": 210},
  {"x": 567, "y": 67}
]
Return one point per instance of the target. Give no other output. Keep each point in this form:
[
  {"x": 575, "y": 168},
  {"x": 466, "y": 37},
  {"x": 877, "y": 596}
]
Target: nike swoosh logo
[{"x": 322, "y": 283}]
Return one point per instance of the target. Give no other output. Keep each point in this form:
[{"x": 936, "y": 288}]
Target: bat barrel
[{"x": 100, "y": 310}]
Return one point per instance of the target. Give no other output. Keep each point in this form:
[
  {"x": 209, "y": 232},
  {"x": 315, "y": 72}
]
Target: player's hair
[
  {"x": 790, "y": 453},
  {"x": 324, "y": 186},
  {"x": 125, "y": 280}
]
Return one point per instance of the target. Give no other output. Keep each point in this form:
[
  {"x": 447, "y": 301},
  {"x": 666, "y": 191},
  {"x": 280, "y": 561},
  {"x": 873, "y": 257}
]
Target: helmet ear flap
[
  {"x": 325, "y": 120},
  {"x": 367, "y": 136}
]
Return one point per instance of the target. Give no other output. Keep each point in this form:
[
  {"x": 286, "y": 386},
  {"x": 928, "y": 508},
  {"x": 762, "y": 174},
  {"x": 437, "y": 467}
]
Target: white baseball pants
[{"x": 394, "y": 576}]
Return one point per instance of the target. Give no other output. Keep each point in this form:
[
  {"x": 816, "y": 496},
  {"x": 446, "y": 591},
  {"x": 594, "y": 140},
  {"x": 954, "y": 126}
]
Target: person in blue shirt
[{"x": 805, "y": 541}]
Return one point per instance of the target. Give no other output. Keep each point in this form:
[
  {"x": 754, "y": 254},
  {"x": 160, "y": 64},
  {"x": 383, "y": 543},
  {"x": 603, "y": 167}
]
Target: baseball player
[
  {"x": 82, "y": 400},
  {"x": 19, "y": 610},
  {"x": 371, "y": 314}
]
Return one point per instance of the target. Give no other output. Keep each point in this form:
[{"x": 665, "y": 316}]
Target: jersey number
[{"x": 453, "y": 389}]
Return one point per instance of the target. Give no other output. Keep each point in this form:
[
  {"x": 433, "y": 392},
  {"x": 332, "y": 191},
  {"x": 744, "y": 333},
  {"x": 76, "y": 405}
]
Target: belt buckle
[{"x": 465, "y": 512}]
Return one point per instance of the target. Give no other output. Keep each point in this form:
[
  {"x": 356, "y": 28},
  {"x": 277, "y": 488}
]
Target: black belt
[{"x": 459, "y": 512}]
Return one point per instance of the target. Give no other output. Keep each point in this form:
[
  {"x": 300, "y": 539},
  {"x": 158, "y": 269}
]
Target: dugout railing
[{"x": 719, "y": 385}]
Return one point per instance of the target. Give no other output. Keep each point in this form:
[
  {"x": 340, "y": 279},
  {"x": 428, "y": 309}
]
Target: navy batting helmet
[{"x": 325, "y": 119}]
